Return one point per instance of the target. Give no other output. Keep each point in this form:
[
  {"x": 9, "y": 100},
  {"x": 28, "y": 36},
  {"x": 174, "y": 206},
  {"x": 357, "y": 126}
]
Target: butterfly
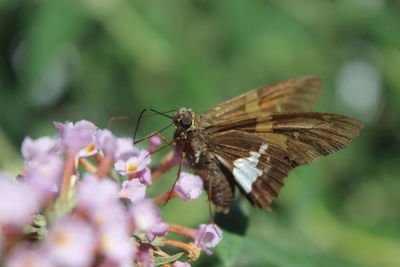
[{"x": 253, "y": 141}]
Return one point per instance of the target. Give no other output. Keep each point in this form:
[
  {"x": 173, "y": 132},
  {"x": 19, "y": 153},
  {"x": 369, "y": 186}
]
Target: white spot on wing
[
  {"x": 246, "y": 171},
  {"x": 197, "y": 156}
]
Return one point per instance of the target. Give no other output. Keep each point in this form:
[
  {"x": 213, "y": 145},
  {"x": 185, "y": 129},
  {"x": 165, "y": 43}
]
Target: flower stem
[
  {"x": 165, "y": 165},
  {"x": 185, "y": 231},
  {"x": 164, "y": 197},
  {"x": 66, "y": 183},
  {"x": 97, "y": 157},
  {"x": 87, "y": 165},
  {"x": 191, "y": 248},
  {"x": 105, "y": 166},
  {"x": 161, "y": 253}
]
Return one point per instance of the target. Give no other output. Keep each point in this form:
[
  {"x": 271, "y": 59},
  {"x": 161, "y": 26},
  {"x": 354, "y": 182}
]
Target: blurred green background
[{"x": 94, "y": 59}]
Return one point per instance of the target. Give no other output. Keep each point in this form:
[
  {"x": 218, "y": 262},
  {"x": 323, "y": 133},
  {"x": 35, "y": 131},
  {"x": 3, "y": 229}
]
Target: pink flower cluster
[{"x": 82, "y": 197}]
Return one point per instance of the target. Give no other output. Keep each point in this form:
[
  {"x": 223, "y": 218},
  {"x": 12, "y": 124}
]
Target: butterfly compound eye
[{"x": 186, "y": 122}]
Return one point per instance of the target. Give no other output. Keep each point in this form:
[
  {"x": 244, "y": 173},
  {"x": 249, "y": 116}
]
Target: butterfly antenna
[
  {"x": 154, "y": 134},
  {"x": 153, "y": 110},
  {"x": 118, "y": 118}
]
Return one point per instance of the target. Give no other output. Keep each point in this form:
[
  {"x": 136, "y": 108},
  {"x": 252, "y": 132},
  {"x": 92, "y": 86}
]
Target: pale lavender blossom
[
  {"x": 144, "y": 255},
  {"x": 93, "y": 192},
  {"x": 125, "y": 149},
  {"x": 78, "y": 138},
  {"x": 107, "y": 142},
  {"x": 110, "y": 215},
  {"x": 24, "y": 256},
  {"x": 115, "y": 244},
  {"x": 90, "y": 150},
  {"x": 159, "y": 229},
  {"x": 155, "y": 141},
  {"x": 133, "y": 164},
  {"x": 145, "y": 176},
  {"x": 45, "y": 174},
  {"x": 71, "y": 242},
  {"x": 99, "y": 199},
  {"x": 208, "y": 236},
  {"x": 145, "y": 215},
  {"x": 39, "y": 148},
  {"x": 189, "y": 186},
  {"x": 133, "y": 190},
  {"x": 61, "y": 127},
  {"x": 17, "y": 202},
  {"x": 180, "y": 264}
]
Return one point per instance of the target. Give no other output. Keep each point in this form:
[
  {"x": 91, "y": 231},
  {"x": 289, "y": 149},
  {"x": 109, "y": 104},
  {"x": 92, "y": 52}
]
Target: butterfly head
[{"x": 184, "y": 120}]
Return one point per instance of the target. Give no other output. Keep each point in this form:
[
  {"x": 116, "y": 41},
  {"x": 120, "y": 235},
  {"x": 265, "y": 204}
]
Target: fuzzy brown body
[
  {"x": 198, "y": 152},
  {"x": 254, "y": 140}
]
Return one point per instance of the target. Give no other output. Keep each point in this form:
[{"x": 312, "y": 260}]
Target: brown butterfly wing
[
  {"x": 304, "y": 135},
  {"x": 289, "y": 139},
  {"x": 294, "y": 95},
  {"x": 257, "y": 166}
]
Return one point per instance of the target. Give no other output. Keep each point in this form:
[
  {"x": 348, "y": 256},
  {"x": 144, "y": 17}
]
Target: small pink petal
[
  {"x": 116, "y": 245},
  {"x": 145, "y": 215},
  {"x": 189, "y": 186},
  {"x": 159, "y": 229},
  {"x": 125, "y": 149},
  {"x": 45, "y": 174},
  {"x": 145, "y": 176},
  {"x": 78, "y": 136},
  {"x": 107, "y": 142},
  {"x": 71, "y": 242},
  {"x": 133, "y": 164},
  {"x": 23, "y": 256},
  {"x": 18, "y": 202},
  {"x": 208, "y": 236},
  {"x": 133, "y": 190},
  {"x": 96, "y": 193},
  {"x": 41, "y": 147},
  {"x": 180, "y": 264},
  {"x": 155, "y": 141}
]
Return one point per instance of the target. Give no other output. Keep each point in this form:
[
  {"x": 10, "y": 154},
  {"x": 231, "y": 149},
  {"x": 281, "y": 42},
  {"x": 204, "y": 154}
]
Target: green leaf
[
  {"x": 234, "y": 225},
  {"x": 158, "y": 241},
  {"x": 164, "y": 260},
  {"x": 229, "y": 249}
]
